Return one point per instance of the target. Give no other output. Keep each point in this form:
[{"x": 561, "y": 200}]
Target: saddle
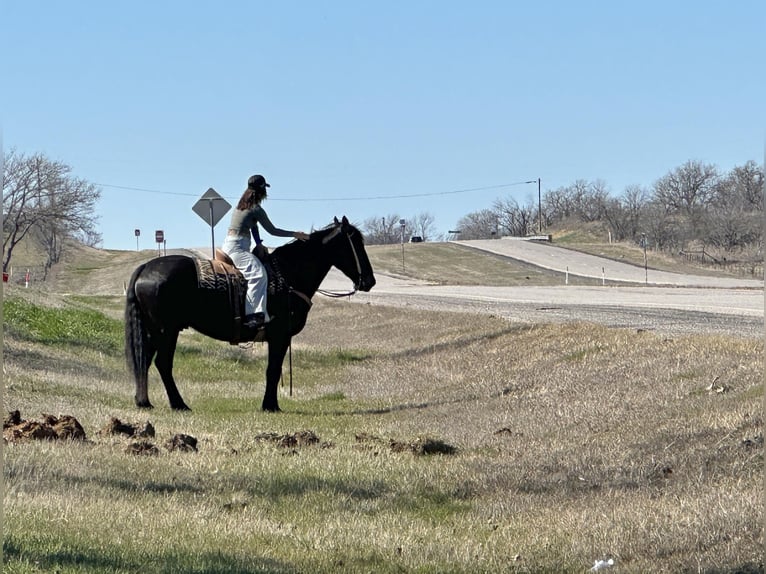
[{"x": 221, "y": 275}]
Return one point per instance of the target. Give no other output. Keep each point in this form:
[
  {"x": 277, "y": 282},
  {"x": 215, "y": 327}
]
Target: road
[
  {"x": 576, "y": 263},
  {"x": 673, "y": 304}
]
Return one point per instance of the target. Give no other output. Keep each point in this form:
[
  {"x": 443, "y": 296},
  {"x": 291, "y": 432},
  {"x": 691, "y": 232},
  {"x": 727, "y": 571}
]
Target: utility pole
[{"x": 539, "y": 206}]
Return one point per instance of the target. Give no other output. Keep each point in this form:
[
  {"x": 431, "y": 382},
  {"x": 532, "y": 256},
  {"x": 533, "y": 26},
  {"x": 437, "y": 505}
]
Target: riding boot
[
  {"x": 251, "y": 325},
  {"x": 254, "y": 321}
]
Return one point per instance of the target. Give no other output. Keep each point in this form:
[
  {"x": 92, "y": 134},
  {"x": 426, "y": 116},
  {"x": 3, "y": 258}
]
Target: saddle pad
[{"x": 219, "y": 276}]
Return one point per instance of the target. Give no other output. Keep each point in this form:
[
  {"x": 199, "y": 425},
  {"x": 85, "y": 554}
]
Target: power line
[
  {"x": 144, "y": 189},
  {"x": 359, "y": 198}
]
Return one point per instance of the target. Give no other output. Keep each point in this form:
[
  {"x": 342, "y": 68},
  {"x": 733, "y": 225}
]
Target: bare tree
[
  {"x": 478, "y": 224},
  {"x": 742, "y": 185},
  {"x": 42, "y": 201},
  {"x": 623, "y": 214},
  {"x": 422, "y": 224},
  {"x": 687, "y": 188},
  {"x": 383, "y": 230},
  {"x": 734, "y": 217},
  {"x": 582, "y": 199},
  {"x": 664, "y": 230},
  {"x": 514, "y": 219}
]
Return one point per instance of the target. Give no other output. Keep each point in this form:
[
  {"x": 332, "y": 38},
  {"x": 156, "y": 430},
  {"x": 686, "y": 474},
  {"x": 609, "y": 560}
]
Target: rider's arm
[
  {"x": 264, "y": 220},
  {"x": 256, "y": 235}
]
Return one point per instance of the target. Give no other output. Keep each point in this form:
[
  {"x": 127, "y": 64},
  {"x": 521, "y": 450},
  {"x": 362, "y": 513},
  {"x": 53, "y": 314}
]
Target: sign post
[
  {"x": 138, "y": 234},
  {"x": 211, "y": 207},
  {"x": 159, "y": 237}
]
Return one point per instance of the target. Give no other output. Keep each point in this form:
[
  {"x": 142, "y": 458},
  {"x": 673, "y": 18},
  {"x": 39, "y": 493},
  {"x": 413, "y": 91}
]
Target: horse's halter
[{"x": 325, "y": 240}]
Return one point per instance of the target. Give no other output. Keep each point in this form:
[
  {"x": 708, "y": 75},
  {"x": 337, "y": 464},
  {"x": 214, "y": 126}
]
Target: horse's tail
[{"x": 137, "y": 345}]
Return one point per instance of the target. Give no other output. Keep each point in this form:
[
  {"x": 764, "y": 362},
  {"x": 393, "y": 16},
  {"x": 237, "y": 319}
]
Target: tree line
[
  {"x": 692, "y": 206},
  {"x": 43, "y": 202}
]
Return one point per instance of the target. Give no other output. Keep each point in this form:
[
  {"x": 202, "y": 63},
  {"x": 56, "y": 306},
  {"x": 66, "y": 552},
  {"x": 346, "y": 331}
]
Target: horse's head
[{"x": 345, "y": 244}]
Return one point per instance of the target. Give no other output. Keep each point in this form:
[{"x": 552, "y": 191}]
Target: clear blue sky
[{"x": 341, "y": 103}]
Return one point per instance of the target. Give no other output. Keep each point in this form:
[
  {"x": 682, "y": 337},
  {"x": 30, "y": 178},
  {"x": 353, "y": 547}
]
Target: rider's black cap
[{"x": 257, "y": 182}]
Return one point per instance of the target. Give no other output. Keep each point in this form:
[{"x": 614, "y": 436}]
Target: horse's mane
[
  {"x": 315, "y": 236},
  {"x": 319, "y": 234}
]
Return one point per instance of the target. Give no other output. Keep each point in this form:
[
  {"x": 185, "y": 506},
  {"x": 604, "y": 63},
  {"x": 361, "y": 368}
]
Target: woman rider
[{"x": 244, "y": 222}]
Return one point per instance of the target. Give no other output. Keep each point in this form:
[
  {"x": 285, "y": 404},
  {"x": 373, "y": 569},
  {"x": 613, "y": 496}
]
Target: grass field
[{"x": 414, "y": 442}]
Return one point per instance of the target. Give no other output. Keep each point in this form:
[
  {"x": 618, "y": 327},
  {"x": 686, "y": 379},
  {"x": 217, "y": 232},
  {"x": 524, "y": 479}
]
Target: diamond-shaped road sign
[{"x": 211, "y": 207}]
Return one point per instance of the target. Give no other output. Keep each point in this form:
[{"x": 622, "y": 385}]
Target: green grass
[
  {"x": 53, "y": 326},
  {"x": 572, "y": 443}
]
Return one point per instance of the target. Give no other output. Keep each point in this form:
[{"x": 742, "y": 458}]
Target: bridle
[{"x": 325, "y": 240}]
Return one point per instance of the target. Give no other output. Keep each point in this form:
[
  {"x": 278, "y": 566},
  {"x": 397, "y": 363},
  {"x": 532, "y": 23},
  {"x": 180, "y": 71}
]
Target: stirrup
[{"x": 254, "y": 321}]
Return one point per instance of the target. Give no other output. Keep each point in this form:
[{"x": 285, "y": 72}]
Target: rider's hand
[{"x": 261, "y": 251}]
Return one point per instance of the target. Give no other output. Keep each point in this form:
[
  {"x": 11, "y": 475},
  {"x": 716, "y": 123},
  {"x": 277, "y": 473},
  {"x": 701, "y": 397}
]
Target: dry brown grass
[
  {"x": 623, "y": 443},
  {"x": 574, "y": 442}
]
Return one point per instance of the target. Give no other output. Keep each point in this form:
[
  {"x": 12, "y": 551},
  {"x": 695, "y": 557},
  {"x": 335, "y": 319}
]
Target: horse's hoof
[
  {"x": 181, "y": 407},
  {"x": 270, "y": 409},
  {"x": 144, "y": 405}
]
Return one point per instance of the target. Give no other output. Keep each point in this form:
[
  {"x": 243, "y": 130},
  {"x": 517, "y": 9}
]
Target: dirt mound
[
  {"x": 142, "y": 447},
  {"x": 182, "y": 443},
  {"x": 116, "y": 427},
  {"x": 292, "y": 440},
  {"x": 64, "y": 427},
  {"x": 179, "y": 442},
  {"x": 419, "y": 446}
]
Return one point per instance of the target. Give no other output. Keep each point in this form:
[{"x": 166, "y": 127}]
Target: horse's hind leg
[
  {"x": 141, "y": 358},
  {"x": 164, "y": 362}
]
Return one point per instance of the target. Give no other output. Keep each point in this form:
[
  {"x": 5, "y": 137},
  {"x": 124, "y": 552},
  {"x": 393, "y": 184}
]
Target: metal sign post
[
  {"x": 159, "y": 237},
  {"x": 211, "y": 207}
]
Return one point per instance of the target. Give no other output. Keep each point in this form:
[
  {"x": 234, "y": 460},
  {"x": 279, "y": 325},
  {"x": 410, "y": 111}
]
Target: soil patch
[
  {"x": 64, "y": 427},
  {"x": 182, "y": 443},
  {"x": 116, "y": 427},
  {"x": 419, "y": 446},
  {"x": 292, "y": 440}
]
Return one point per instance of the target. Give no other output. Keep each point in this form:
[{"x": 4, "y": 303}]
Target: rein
[
  {"x": 336, "y": 294},
  {"x": 332, "y": 294}
]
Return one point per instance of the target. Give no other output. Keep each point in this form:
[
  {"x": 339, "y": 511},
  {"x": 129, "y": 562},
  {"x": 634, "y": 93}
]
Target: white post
[
  {"x": 603, "y": 276},
  {"x": 566, "y": 281}
]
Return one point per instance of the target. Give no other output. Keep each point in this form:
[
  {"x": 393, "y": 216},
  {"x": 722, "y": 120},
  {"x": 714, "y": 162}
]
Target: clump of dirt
[
  {"x": 419, "y": 446},
  {"x": 142, "y": 447},
  {"x": 179, "y": 442},
  {"x": 292, "y": 440},
  {"x": 182, "y": 443},
  {"x": 423, "y": 446},
  {"x": 116, "y": 426},
  {"x": 64, "y": 427}
]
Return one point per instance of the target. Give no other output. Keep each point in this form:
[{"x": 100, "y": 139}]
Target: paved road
[
  {"x": 697, "y": 305},
  {"x": 560, "y": 259}
]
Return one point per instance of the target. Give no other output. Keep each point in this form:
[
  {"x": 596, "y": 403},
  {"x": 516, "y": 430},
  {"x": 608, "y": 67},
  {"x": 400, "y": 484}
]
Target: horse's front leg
[{"x": 277, "y": 350}]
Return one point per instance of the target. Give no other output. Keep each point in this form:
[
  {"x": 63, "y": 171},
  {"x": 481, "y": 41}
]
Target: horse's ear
[
  {"x": 336, "y": 221},
  {"x": 345, "y": 220}
]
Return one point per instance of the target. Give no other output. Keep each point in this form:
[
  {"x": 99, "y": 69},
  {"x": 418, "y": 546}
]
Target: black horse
[{"x": 164, "y": 297}]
